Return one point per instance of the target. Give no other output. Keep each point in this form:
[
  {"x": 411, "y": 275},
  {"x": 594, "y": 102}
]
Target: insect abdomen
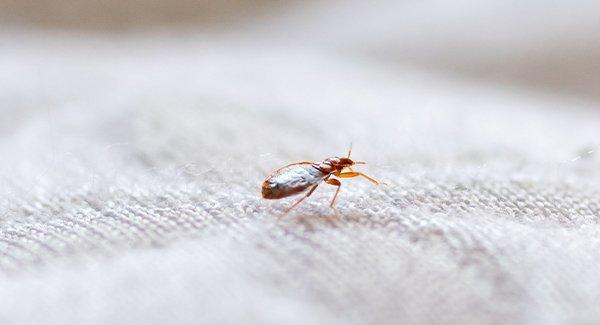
[{"x": 291, "y": 180}]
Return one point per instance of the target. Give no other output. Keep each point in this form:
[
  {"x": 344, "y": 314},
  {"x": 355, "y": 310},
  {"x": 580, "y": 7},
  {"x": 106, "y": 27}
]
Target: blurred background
[{"x": 550, "y": 46}]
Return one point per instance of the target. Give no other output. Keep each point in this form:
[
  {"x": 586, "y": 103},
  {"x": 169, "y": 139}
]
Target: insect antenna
[{"x": 356, "y": 162}]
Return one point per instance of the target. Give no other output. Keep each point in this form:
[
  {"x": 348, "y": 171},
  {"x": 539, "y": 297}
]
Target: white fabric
[{"x": 130, "y": 173}]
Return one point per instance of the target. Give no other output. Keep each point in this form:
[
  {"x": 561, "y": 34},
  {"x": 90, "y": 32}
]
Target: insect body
[{"x": 299, "y": 177}]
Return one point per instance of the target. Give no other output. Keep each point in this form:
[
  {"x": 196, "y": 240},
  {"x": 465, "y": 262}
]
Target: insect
[{"x": 298, "y": 177}]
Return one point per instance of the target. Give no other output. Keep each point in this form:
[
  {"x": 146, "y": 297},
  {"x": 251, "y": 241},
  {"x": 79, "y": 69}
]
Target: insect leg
[
  {"x": 347, "y": 168},
  {"x": 312, "y": 189},
  {"x": 337, "y": 183},
  {"x": 355, "y": 174}
]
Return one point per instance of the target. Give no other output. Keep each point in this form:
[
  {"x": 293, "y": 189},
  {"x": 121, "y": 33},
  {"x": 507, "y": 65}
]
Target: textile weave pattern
[{"x": 134, "y": 198}]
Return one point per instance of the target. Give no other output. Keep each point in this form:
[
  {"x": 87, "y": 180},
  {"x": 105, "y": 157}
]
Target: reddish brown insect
[{"x": 298, "y": 177}]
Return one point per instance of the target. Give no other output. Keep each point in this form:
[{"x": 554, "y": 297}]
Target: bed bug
[{"x": 298, "y": 177}]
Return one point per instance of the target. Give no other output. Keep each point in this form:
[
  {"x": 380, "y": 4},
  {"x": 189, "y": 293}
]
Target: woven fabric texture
[{"x": 130, "y": 175}]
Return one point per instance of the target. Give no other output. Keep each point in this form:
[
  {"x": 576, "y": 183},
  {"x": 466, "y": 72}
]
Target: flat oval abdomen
[{"x": 291, "y": 180}]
